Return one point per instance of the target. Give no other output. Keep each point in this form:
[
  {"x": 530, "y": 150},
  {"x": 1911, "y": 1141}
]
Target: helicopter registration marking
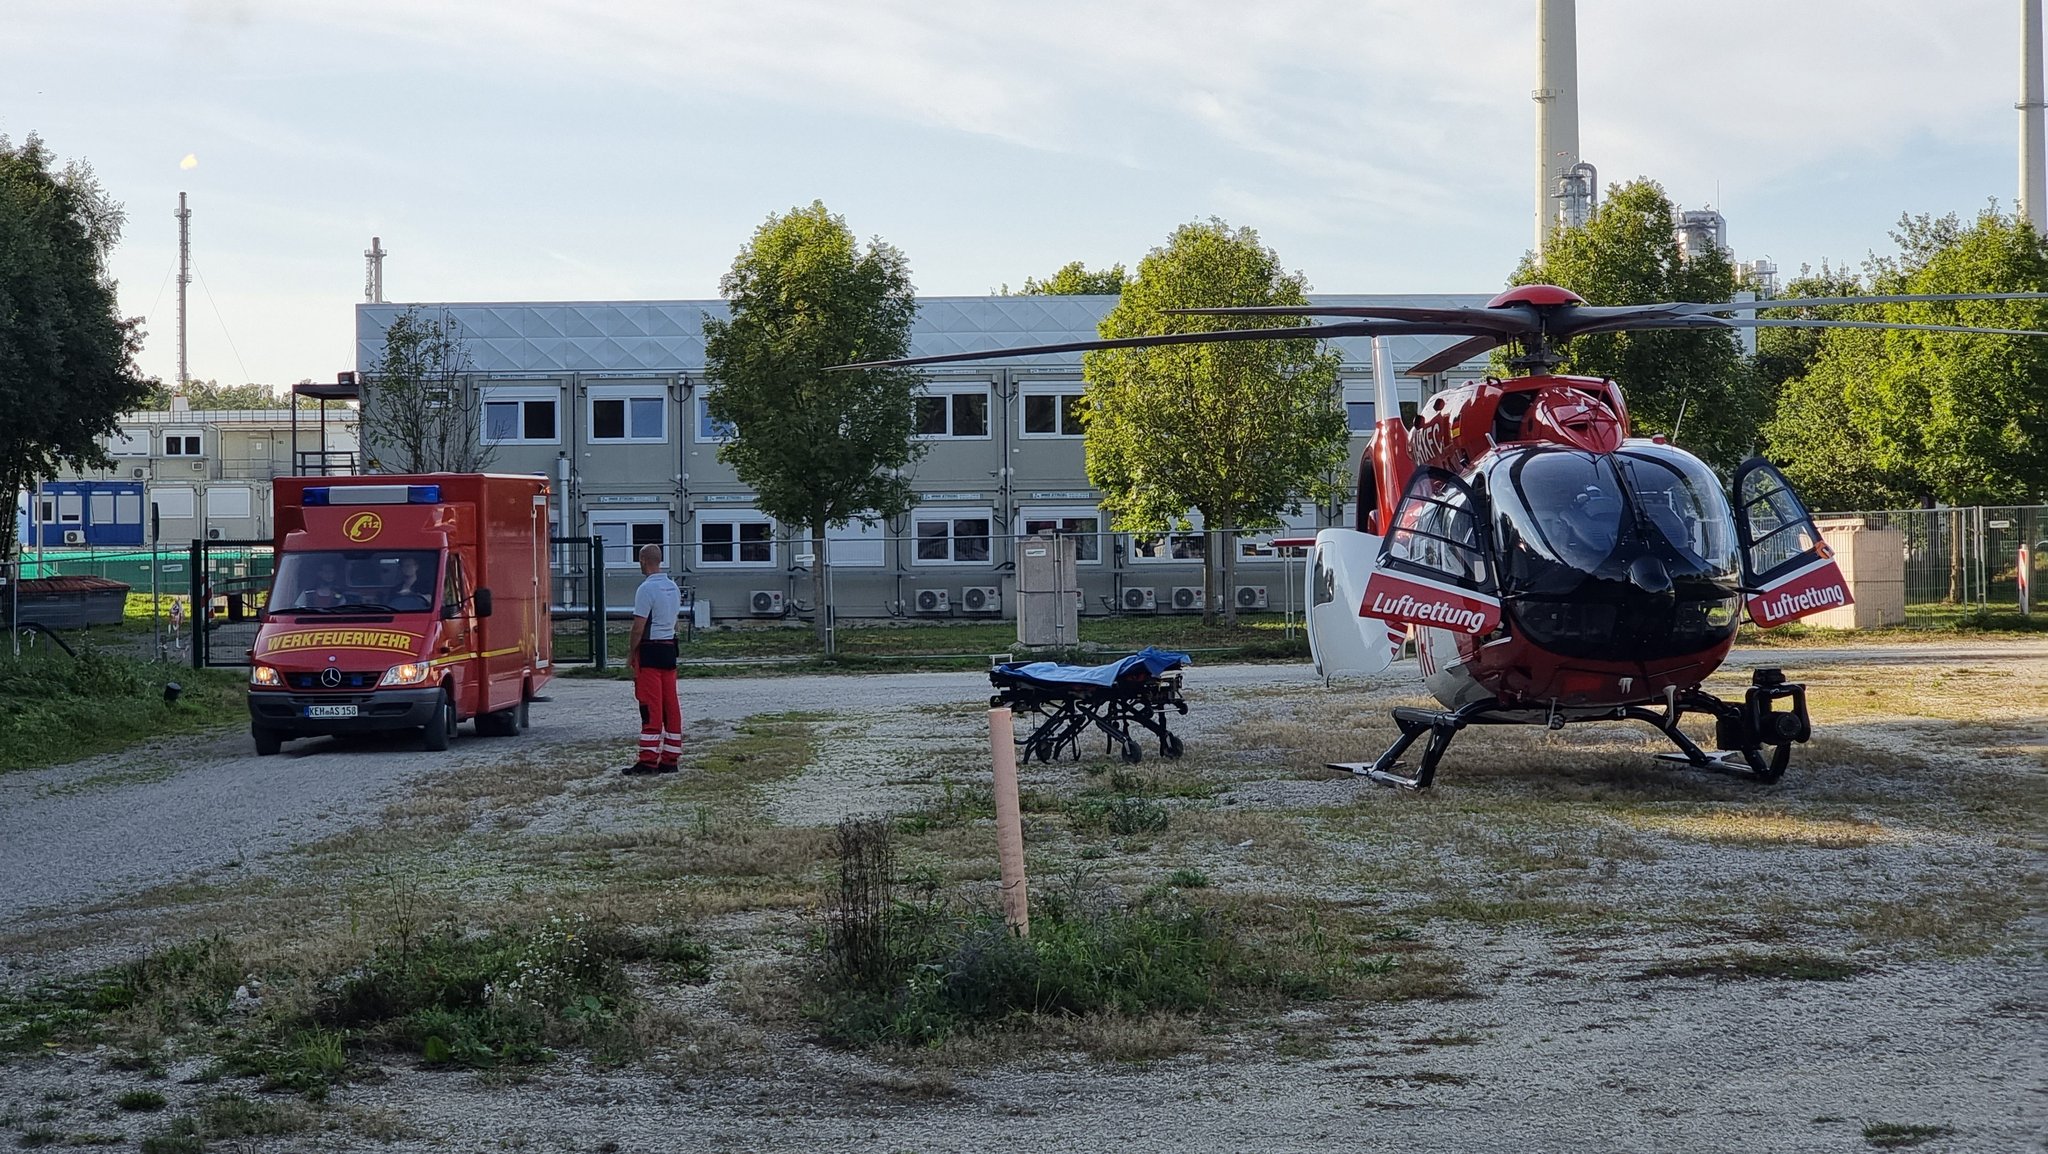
[
  {"x": 1418, "y": 601},
  {"x": 1804, "y": 591}
]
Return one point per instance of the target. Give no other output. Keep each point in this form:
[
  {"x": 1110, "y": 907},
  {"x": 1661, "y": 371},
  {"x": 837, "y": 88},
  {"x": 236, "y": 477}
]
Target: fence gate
[
  {"x": 577, "y": 579},
  {"x": 230, "y": 583}
]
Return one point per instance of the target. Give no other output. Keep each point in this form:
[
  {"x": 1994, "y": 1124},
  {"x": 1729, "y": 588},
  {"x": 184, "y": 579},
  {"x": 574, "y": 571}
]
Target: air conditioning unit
[
  {"x": 934, "y": 601},
  {"x": 74, "y": 536},
  {"x": 138, "y": 474},
  {"x": 1187, "y": 597},
  {"x": 1138, "y": 600},
  {"x": 765, "y": 602},
  {"x": 213, "y": 534},
  {"x": 1251, "y": 597},
  {"x": 981, "y": 599},
  {"x": 198, "y": 466}
]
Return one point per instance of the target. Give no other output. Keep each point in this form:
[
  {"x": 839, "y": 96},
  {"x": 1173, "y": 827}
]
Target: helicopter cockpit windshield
[{"x": 1563, "y": 515}]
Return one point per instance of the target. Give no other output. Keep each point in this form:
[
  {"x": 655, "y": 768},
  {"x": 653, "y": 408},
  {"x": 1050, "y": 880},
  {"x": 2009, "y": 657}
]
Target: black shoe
[
  {"x": 667, "y": 767},
  {"x": 641, "y": 769}
]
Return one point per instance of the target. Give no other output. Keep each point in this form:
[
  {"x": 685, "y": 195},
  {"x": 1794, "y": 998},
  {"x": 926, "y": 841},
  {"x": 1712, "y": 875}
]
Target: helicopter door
[
  {"x": 1435, "y": 568},
  {"x": 1788, "y": 571}
]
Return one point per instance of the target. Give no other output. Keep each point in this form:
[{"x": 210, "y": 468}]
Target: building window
[
  {"x": 1084, "y": 526},
  {"x": 735, "y": 539},
  {"x": 1358, "y": 414},
  {"x": 70, "y": 509},
  {"x": 1253, "y": 544},
  {"x": 628, "y": 414},
  {"x": 951, "y": 536},
  {"x": 709, "y": 430},
  {"x": 943, "y": 412},
  {"x": 1052, "y": 410},
  {"x": 857, "y": 544},
  {"x": 126, "y": 444},
  {"x": 622, "y": 533},
  {"x": 514, "y": 416},
  {"x": 181, "y": 445},
  {"x": 1150, "y": 547},
  {"x": 172, "y": 502}
]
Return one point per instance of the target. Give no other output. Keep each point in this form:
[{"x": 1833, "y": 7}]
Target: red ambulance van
[{"x": 403, "y": 602}]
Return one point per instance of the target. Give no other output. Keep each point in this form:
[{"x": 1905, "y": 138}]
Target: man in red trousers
[{"x": 651, "y": 655}]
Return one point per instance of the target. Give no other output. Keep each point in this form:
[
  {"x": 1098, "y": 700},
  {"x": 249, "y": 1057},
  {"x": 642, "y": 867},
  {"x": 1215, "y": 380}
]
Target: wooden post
[{"x": 1002, "y": 745}]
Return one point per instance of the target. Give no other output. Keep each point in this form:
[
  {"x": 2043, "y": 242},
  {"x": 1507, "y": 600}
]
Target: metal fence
[
  {"x": 1967, "y": 555},
  {"x": 577, "y": 579}
]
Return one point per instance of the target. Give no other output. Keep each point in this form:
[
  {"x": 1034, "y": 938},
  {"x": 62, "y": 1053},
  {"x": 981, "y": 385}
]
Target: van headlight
[
  {"x": 265, "y": 675},
  {"x": 410, "y": 673}
]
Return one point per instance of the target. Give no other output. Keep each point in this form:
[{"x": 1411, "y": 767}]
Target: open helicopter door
[
  {"x": 1435, "y": 567},
  {"x": 1788, "y": 571},
  {"x": 1339, "y": 640}
]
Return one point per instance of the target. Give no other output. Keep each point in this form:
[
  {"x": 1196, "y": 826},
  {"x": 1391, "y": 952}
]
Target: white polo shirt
[{"x": 661, "y": 603}]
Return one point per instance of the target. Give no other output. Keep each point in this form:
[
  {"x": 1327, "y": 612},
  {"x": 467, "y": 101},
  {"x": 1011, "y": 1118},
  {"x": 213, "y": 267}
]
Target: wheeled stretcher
[{"x": 1070, "y": 700}]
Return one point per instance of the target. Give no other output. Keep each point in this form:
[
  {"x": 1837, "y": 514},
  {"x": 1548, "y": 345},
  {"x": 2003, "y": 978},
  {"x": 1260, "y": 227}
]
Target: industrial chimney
[
  {"x": 1557, "y": 108},
  {"x": 2033, "y": 158}
]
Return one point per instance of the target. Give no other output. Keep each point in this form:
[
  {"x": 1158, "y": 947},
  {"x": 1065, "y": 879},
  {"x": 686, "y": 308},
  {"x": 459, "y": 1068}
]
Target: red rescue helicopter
[{"x": 1553, "y": 568}]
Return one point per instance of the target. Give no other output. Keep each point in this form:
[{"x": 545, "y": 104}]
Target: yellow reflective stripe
[{"x": 452, "y": 658}]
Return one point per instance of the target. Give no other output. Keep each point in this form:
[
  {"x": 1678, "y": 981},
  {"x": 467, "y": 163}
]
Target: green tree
[
  {"x": 1236, "y": 431},
  {"x": 1961, "y": 418},
  {"x": 67, "y": 359},
  {"x": 209, "y": 396},
  {"x": 416, "y": 418},
  {"x": 1627, "y": 254},
  {"x": 819, "y": 448},
  {"x": 1074, "y": 279}
]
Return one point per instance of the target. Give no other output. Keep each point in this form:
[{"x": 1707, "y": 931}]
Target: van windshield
[{"x": 396, "y": 581}]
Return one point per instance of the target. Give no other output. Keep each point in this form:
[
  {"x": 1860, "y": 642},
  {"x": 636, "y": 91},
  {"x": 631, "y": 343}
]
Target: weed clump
[{"x": 895, "y": 972}]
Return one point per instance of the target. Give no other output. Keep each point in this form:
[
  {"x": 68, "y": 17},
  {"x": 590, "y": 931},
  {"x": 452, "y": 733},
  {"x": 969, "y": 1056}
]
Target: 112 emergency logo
[{"x": 362, "y": 527}]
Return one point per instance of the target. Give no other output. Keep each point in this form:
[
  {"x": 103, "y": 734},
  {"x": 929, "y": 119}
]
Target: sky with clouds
[{"x": 626, "y": 149}]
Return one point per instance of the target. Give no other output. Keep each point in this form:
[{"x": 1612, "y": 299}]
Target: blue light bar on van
[{"x": 373, "y": 495}]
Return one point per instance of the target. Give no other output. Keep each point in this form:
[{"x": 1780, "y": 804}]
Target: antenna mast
[
  {"x": 373, "y": 271},
  {"x": 184, "y": 278}
]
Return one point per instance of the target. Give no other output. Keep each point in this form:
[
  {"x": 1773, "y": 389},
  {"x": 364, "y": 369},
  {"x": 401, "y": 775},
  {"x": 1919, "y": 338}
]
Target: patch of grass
[
  {"x": 61, "y": 708},
  {"x": 39, "y": 1136},
  {"x": 1780, "y": 965},
  {"x": 1122, "y": 816},
  {"x": 1945, "y": 919},
  {"x": 132, "y": 1005},
  {"x": 955, "y": 805},
  {"x": 1762, "y": 828},
  {"x": 764, "y": 748},
  {"x": 136, "y": 1101},
  {"x": 1188, "y": 879},
  {"x": 1893, "y": 1135}
]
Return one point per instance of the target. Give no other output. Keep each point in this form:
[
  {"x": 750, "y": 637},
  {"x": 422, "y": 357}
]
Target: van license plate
[{"x": 330, "y": 711}]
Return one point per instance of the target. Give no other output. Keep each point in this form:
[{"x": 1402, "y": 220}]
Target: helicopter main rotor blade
[
  {"x": 1819, "y": 302},
  {"x": 1506, "y": 319},
  {"x": 1289, "y": 333},
  {"x": 1706, "y": 321}
]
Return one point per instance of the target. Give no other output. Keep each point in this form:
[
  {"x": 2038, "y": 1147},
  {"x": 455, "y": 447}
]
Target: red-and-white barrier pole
[{"x": 1002, "y": 745}]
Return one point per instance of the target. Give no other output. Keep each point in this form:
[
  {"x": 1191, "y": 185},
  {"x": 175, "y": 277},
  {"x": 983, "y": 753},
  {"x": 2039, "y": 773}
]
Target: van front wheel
[
  {"x": 268, "y": 741},
  {"x": 440, "y": 724}
]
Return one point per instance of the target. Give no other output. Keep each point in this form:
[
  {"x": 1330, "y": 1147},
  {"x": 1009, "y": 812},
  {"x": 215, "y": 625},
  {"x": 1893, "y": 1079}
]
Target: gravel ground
[{"x": 1545, "y": 1058}]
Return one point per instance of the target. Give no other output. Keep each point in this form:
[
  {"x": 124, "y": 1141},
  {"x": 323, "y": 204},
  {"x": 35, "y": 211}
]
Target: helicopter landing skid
[{"x": 1742, "y": 731}]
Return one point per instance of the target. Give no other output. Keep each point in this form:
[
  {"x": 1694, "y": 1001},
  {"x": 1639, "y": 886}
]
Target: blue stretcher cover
[{"x": 1142, "y": 666}]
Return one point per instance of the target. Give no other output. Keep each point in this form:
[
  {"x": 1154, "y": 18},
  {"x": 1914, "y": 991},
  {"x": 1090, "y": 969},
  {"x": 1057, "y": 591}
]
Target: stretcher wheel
[
  {"x": 1169, "y": 745},
  {"x": 1132, "y": 753}
]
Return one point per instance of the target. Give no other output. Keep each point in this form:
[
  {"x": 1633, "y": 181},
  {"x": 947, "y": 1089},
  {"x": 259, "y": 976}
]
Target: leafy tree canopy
[
  {"x": 1883, "y": 418},
  {"x": 1238, "y": 431},
  {"x": 207, "y": 396},
  {"x": 67, "y": 359},
  {"x": 1628, "y": 254},
  {"x": 818, "y": 448},
  {"x": 1074, "y": 279}
]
